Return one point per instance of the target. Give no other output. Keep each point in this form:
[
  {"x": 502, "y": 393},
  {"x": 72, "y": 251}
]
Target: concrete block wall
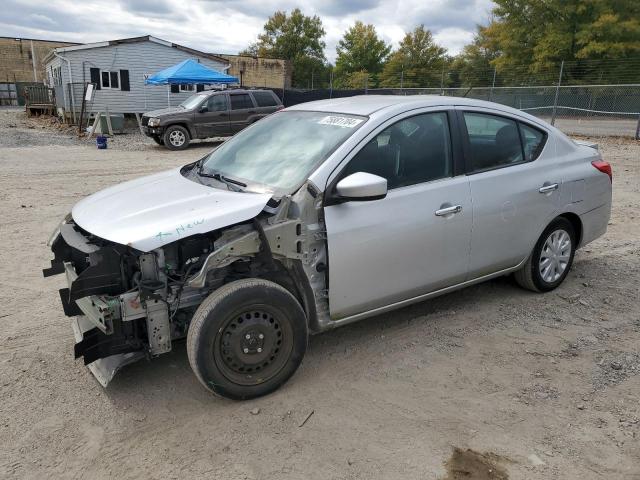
[
  {"x": 260, "y": 72},
  {"x": 16, "y": 58}
]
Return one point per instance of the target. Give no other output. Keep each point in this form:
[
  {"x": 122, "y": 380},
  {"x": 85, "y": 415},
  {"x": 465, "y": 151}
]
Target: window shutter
[
  {"x": 175, "y": 88},
  {"x": 95, "y": 77},
  {"x": 199, "y": 87},
  {"x": 124, "y": 80}
]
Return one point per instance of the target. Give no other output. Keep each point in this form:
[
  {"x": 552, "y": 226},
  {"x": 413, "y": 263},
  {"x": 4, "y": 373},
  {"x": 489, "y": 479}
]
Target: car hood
[
  {"x": 153, "y": 211},
  {"x": 166, "y": 111}
]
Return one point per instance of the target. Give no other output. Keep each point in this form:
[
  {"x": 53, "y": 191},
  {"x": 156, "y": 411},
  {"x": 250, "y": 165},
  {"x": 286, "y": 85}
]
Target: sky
[{"x": 228, "y": 26}]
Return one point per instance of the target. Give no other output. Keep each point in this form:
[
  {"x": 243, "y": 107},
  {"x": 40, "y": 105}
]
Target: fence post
[
  {"x": 366, "y": 84},
  {"x": 401, "y": 78},
  {"x": 331, "y": 83},
  {"x": 638, "y": 129},
  {"x": 442, "y": 81},
  {"x": 493, "y": 84},
  {"x": 555, "y": 100}
]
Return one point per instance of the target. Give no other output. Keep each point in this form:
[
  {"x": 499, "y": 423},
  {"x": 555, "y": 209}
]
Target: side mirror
[
  {"x": 362, "y": 186},
  {"x": 203, "y": 108}
]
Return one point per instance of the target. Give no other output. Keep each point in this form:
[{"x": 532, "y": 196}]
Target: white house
[{"x": 119, "y": 68}]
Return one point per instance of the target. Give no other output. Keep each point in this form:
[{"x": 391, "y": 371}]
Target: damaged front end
[{"x": 125, "y": 304}]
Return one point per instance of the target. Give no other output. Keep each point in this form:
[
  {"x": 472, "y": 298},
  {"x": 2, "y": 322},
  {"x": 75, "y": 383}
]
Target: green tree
[
  {"x": 418, "y": 62},
  {"x": 587, "y": 34},
  {"x": 360, "y": 51},
  {"x": 473, "y": 67},
  {"x": 295, "y": 37}
]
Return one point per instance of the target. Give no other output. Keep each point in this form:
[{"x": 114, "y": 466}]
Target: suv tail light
[{"x": 604, "y": 167}]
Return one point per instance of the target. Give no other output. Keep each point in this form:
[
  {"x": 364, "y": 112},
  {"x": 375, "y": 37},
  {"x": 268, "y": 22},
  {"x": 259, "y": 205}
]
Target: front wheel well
[
  {"x": 179, "y": 124},
  {"x": 576, "y": 223}
]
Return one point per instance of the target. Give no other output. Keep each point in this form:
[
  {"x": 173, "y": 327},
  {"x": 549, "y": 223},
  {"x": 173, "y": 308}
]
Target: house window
[
  {"x": 56, "y": 76},
  {"x": 110, "y": 79},
  {"x": 188, "y": 88}
]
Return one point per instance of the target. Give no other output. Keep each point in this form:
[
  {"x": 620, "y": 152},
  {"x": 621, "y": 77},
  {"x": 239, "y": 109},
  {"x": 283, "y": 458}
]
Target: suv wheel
[
  {"x": 551, "y": 259},
  {"x": 176, "y": 137},
  {"x": 247, "y": 339}
]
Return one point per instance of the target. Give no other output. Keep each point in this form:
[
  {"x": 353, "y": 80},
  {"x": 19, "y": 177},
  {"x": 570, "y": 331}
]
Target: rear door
[
  {"x": 242, "y": 107},
  {"x": 515, "y": 189},
  {"x": 212, "y": 119}
]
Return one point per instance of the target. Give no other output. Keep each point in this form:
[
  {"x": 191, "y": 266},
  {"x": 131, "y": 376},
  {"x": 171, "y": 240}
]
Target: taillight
[{"x": 604, "y": 167}]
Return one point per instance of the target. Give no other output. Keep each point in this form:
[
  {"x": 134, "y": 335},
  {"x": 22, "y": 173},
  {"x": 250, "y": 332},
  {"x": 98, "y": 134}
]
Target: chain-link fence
[{"x": 606, "y": 110}]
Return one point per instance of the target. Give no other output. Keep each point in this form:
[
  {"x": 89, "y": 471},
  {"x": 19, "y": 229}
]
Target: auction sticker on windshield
[{"x": 339, "y": 121}]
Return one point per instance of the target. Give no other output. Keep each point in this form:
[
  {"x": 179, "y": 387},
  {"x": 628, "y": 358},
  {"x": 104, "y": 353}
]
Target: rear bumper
[{"x": 594, "y": 223}]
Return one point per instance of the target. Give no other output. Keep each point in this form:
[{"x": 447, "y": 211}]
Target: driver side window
[
  {"x": 411, "y": 151},
  {"x": 217, "y": 103}
]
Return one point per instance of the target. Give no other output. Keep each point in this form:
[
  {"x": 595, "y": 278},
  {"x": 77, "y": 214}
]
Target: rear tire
[
  {"x": 176, "y": 137},
  {"x": 551, "y": 259},
  {"x": 247, "y": 339}
]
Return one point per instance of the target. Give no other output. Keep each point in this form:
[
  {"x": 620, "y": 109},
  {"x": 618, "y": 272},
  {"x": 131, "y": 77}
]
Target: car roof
[
  {"x": 234, "y": 90},
  {"x": 369, "y": 104}
]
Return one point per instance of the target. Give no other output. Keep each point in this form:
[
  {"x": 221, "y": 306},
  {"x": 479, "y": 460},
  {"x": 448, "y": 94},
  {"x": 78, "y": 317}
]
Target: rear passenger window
[
  {"x": 240, "y": 101},
  {"x": 264, "y": 99},
  {"x": 413, "y": 150},
  {"x": 533, "y": 141},
  {"x": 494, "y": 141}
]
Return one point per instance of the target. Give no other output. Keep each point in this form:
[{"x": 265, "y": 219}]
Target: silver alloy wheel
[
  {"x": 555, "y": 255},
  {"x": 177, "y": 138}
]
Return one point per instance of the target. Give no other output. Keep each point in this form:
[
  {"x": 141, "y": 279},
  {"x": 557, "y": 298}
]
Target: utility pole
[
  {"x": 33, "y": 62},
  {"x": 555, "y": 100},
  {"x": 442, "y": 81}
]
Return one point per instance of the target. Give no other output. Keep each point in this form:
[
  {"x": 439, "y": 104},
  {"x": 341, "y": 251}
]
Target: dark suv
[{"x": 211, "y": 113}]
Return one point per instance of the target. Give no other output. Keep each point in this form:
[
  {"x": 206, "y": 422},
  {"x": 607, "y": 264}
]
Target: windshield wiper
[{"x": 220, "y": 177}]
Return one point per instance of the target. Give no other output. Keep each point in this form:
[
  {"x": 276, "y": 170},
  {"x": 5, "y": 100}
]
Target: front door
[
  {"x": 212, "y": 118},
  {"x": 514, "y": 186},
  {"x": 416, "y": 239},
  {"x": 242, "y": 108}
]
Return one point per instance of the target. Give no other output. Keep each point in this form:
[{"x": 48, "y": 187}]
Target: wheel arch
[
  {"x": 183, "y": 124},
  {"x": 576, "y": 223}
]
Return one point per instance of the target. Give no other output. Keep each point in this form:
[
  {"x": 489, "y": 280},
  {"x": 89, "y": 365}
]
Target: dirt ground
[{"x": 491, "y": 382}]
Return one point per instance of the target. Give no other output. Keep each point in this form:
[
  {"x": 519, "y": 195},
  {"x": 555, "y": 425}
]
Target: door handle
[
  {"x": 548, "y": 188},
  {"x": 443, "y": 212}
]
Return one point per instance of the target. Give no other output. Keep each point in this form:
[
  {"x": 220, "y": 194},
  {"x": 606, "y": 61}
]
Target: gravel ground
[{"x": 491, "y": 380}]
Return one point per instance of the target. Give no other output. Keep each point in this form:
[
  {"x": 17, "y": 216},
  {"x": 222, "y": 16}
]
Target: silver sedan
[{"x": 319, "y": 215}]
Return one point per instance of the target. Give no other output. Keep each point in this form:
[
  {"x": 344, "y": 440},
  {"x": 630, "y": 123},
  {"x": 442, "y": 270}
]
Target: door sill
[{"x": 419, "y": 298}]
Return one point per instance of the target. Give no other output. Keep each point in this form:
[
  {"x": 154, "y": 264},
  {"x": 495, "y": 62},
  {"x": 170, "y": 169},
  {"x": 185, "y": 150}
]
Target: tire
[
  {"x": 533, "y": 276},
  {"x": 247, "y": 339},
  {"x": 158, "y": 140},
  {"x": 176, "y": 137}
]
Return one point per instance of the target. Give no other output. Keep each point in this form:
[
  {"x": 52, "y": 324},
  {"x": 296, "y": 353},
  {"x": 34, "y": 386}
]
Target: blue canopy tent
[{"x": 189, "y": 72}]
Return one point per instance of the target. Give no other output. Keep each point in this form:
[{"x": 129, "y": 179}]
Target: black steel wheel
[{"x": 247, "y": 338}]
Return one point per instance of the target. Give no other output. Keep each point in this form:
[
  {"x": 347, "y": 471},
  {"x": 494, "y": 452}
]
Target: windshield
[
  {"x": 193, "y": 101},
  {"x": 282, "y": 149}
]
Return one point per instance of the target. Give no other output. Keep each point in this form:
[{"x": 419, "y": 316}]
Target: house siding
[{"x": 139, "y": 58}]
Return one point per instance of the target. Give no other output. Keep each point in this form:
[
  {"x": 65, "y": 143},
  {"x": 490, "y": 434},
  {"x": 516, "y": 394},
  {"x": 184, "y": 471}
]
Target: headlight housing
[{"x": 154, "y": 122}]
